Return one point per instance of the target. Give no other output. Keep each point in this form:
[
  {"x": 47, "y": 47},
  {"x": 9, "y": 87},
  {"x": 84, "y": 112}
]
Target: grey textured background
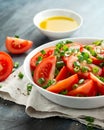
[{"x": 16, "y": 18}]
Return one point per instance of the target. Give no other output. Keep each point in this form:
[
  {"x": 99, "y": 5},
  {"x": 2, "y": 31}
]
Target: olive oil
[{"x": 58, "y": 24}]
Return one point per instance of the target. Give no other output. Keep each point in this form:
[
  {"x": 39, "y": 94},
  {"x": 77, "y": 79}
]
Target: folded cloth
[{"x": 37, "y": 106}]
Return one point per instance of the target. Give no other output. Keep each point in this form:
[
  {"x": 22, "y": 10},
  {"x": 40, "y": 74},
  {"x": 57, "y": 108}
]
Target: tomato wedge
[
  {"x": 70, "y": 62},
  {"x": 17, "y": 45},
  {"x": 86, "y": 89},
  {"x": 48, "y": 52},
  {"x": 62, "y": 74},
  {"x": 98, "y": 82},
  {"x": 45, "y": 70},
  {"x": 65, "y": 84},
  {"x": 6, "y": 65}
]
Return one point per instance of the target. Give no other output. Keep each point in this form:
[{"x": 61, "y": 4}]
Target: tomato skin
[
  {"x": 100, "y": 84},
  {"x": 45, "y": 70},
  {"x": 49, "y": 51},
  {"x": 86, "y": 89},
  {"x": 6, "y": 65},
  {"x": 17, "y": 45}
]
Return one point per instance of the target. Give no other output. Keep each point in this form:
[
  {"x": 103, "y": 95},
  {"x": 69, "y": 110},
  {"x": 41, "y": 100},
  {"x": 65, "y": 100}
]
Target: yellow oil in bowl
[{"x": 58, "y": 24}]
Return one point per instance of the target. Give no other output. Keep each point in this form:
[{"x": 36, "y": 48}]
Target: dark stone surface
[{"x": 16, "y": 18}]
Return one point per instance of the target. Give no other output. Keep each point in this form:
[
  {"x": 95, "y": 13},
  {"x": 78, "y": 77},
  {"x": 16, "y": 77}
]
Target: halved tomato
[
  {"x": 98, "y": 82},
  {"x": 17, "y": 45},
  {"x": 86, "y": 89},
  {"x": 6, "y": 65},
  {"x": 48, "y": 52},
  {"x": 45, "y": 71}
]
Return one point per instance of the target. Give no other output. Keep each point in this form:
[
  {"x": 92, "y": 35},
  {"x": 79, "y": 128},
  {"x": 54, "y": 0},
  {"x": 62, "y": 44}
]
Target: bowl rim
[
  {"x": 58, "y": 9},
  {"x": 28, "y": 57}
]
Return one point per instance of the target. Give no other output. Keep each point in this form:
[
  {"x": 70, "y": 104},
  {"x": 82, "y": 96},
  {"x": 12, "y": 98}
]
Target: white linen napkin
[{"x": 37, "y": 106}]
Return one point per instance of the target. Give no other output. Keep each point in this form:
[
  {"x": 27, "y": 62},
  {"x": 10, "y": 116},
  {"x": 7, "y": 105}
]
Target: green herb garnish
[
  {"x": 76, "y": 64},
  {"x": 98, "y": 43},
  {"x": 20, "y": 75},
  {"x": 16, "y": 65},
  {"x": 43, "y": 52},
  {"x": 64, "y": 92},
  {"x": 68, "y": 42},
  {"x": 59, "y": 64},
  {"x": 84, "y": 69},
  {"x": 100, "y": 78},
  {"x": 40, "y": 58},
  {"x": 16, "y": 36},
  {"x": 29, "y": 88},
  {"x": 81, "y": 81},
  {"x": 41, "y": 81},
  {"x": 90, "y": 121},
  {"x": 50, "y": 82},
  {"x": 75, "y": 86},
  {"x": 95, "y": 70},
  {"x": 76, "y": 69}
]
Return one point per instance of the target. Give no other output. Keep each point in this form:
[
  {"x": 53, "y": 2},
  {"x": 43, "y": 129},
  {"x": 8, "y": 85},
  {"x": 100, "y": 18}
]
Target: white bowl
[
  {"x": 68, "y": 101},
  {"x": 57, "y": 12}
]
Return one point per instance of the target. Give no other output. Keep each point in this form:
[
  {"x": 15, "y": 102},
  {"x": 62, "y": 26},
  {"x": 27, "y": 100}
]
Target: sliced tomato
[
  {"x": 96, "y": 61},
  {"x": 75, "y": 45},
  {"x": 62, "y": 74},
  {"x": 86, "y": 89},
  {"x": 17, "y": 45},
  {"x": 48, "y": 52},
  {"x": 65, "y": 84},
  {"x": 98, "y": 82},
  {"x": 69, "y": 63},
  {"x": 45, "y": 70},
  {"x": 6, "y": 65}
]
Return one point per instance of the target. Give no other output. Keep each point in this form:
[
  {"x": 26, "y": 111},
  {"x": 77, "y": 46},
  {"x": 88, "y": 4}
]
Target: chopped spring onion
[
  {"x": 50, "y": 82},
  {"x": 76, "y": 64},
  {"x": 84, "y": 69},
  {"x": 98, "y": 43},
  {"x": 41, "y": 81},
  {"x": 95, "y": 69},
  {"x": 39, "y": 60},
  {"x": 16, "y": 36},
  {"x": 20, "y": 75},
  {"x": 74, "y": 86},
  {"x": 81, "y": 81},
  {"x": 100, "y": 78},
  {"x": 60, "y": 64},
  {"x": 64, "y": 92},
  {"x": 29, "y": 88},
  {"x": 16, "y": 65},
  {"x": 43, "y": 52}
]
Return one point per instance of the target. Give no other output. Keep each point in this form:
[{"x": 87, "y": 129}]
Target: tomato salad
[{"x": 70, "y": 68}]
